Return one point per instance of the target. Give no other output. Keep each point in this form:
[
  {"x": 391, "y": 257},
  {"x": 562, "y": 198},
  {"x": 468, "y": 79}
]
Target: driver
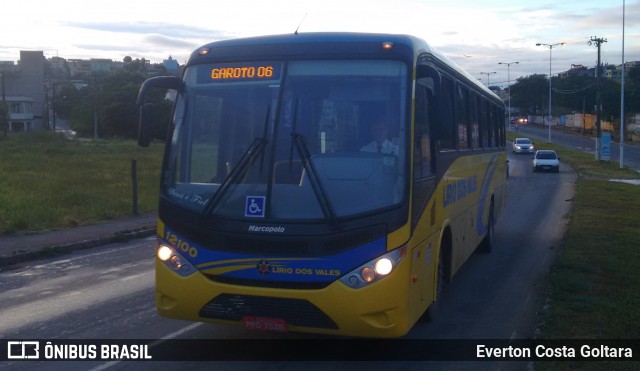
[{"x": 380, "y": 143}]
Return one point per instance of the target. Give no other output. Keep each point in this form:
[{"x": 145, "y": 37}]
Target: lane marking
[{"x": 170, "y": 336}]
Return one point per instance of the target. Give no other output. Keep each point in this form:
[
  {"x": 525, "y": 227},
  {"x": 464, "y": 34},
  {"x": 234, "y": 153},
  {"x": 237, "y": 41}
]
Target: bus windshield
[{"x": 296, "y": 140}]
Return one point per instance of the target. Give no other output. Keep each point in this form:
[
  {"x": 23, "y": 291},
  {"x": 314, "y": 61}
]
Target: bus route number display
[{"x": 243, "y": 72}]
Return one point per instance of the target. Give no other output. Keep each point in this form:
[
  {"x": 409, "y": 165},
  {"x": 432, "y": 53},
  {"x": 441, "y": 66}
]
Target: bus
[{"x": 328, "y": 183}]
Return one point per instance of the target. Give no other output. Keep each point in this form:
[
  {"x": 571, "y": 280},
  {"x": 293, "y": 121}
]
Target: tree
[
  {"x": 118, "y": 114},
  {"x": 530, "y": 94},
  {"x": 632, "y": 90},
  {"x": 137, "y": 65},
  {"x": 113, "y": 98},
  {"x": 66, "y": 98},
  {"x": 576, "y": 94},
  {"x": 610, "y": 97}
]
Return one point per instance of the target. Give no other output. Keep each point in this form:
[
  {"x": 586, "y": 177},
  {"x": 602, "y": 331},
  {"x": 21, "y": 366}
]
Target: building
[
  {"x": 171, "y": 65},
  {"x": 616, "y": 72},
  {"x": 79, "y": 68},
  {"x": 58, "y": 69},
  {"x": 23, "y": 91},
  {"x": 577, "y": 70},
  {"x": 100, "y": 65}
]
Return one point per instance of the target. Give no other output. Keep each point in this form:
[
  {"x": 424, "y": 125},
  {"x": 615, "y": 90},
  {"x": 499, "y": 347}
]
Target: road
[{"x": 107, "y": 292}]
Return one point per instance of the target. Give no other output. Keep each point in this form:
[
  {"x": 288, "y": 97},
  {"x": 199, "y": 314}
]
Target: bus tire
[
  {"x": 434, "y": 311},
  {"x": 487, "y": 243}
]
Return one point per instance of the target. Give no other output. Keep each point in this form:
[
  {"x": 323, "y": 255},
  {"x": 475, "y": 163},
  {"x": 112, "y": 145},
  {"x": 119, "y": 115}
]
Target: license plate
[{"x": 264, "y": 324}]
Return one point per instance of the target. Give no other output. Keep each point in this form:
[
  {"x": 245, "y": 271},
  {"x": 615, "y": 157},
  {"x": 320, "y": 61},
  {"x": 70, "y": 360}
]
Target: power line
[{"x": 578, "y": 90}]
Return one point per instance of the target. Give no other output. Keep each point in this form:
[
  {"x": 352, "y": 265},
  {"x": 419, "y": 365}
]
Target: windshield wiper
[
  {"x": 238, "y": 172},
  {"x": 312, "y": 173}
]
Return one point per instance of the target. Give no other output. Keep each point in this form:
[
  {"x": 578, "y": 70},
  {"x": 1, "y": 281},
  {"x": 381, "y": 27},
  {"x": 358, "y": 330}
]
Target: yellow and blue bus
[{"x": 323, "y": 182}]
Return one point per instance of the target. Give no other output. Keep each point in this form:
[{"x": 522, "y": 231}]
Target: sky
[{"x": 476, "y": 34}]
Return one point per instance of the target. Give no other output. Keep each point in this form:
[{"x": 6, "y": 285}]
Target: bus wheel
[
  {"x": 435, "y": 309},
  {"x": 488, "y": 241}
]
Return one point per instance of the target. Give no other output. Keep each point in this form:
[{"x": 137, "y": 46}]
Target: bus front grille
[{"x": 298, "y": 312}]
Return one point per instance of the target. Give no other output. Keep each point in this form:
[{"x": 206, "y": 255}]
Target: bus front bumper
[{"x": 377, "y": 310}]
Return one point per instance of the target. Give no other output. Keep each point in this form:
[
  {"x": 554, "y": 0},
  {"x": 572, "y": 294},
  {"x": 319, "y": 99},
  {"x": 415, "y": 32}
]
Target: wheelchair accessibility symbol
[{"x": 254, "y": 206}]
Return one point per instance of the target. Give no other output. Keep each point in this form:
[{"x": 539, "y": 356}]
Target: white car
[
  {"x": 523, "y": 145},
  {"x": 546, "y": 160}
]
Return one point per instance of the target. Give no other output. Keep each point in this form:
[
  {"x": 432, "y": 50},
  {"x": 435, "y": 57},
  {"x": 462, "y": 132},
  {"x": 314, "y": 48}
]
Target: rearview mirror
[{"x": 145, "y": 128}]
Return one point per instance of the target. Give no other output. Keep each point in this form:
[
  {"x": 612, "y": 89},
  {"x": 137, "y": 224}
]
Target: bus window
[
  {"x": 462, "y": 117},
  {"x": 484, "y": 123},
  {"x": 501, "y": 127},
  {"x": 474, "y": 106},
  {"x": 423, "y": 166},
  {"x": 494, "y": 126},
  {"x": 263, "y": 131},
  {"x": 446, "y": 132}
]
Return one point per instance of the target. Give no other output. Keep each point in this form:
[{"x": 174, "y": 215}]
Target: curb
[{"x": 55, "y": 250}]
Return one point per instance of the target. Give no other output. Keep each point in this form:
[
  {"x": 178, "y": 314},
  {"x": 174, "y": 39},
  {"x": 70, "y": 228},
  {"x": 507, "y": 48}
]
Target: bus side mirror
[{"x": 145, "y": 128}]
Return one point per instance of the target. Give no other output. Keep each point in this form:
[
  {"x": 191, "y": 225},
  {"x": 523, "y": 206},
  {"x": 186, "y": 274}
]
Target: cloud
[
  {"x": 153, "y": 40},
  {"x": 169, "y": 42},
  {"x": 169, "y": 29},
  {"x": 611, "y": 18}
]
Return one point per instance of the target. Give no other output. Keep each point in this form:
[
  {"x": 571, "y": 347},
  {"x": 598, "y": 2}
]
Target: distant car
[
  {"x": 523, "y": 145},
  {"x": 69, "y": 134},
  {"x": 546, "y": 160},
  {"x": 519, "y": 120}
]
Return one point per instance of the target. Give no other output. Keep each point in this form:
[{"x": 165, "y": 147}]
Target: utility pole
[{"x": 597, "y": 41}]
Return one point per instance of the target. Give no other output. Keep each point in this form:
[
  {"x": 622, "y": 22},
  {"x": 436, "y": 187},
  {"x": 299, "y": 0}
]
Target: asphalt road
[{"x": 108, "y": 292}]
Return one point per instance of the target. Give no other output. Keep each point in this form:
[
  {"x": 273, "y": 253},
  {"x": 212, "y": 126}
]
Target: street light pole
[
  {"x": 622, "y": 94},
  {"x": 550, "y": 46},
  {"x": 509, "y": 84},
  {"x": 487, "y": 73}
]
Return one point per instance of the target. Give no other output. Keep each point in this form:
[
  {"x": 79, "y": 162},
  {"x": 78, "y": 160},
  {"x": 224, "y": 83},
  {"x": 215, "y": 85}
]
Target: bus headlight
[
  {"x": 367, "y": 274},
  {"x": 164, "y": 253},
  {"x": 374, "y": 270},
  {"x": 383, "y": 266},
  {"x": 176, "y": 262}
]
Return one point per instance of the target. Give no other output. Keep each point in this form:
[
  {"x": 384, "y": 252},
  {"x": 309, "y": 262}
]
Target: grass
[
  {"x": 49, "y": 182},
  {"x": 594, "y": 286},
  {"x": 595, "y": 289}
]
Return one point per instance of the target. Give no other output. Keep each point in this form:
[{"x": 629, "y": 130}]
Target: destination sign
[{"x": 245, "y": 72}]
